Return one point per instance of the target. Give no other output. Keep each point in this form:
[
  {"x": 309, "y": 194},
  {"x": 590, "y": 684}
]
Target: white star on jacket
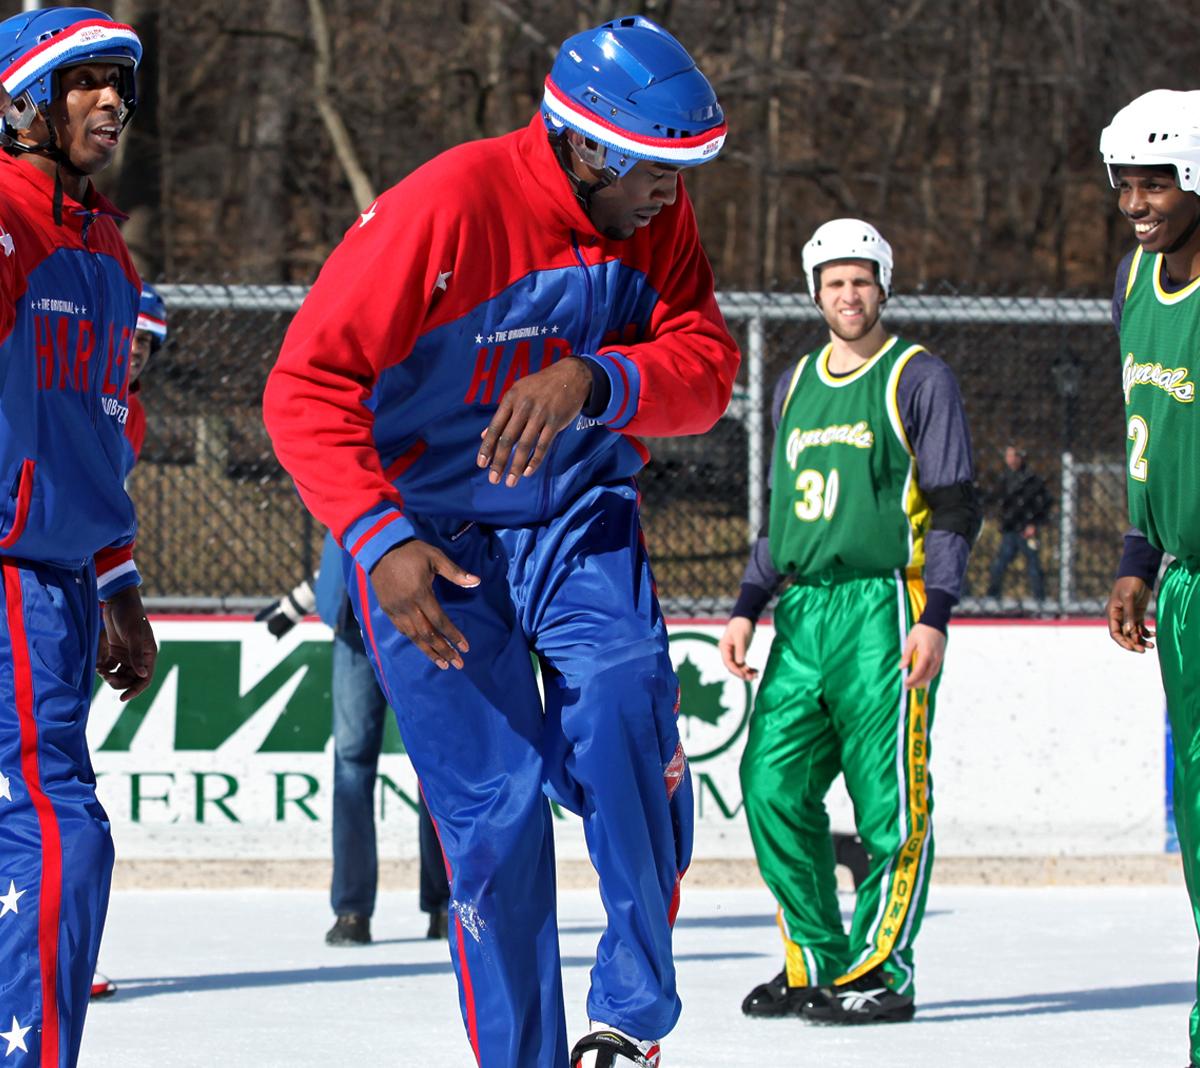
[
  {"x": 8, "y": 903},
  {"x": 6, "y": 242},
  {"x": 15, "y": 1037},
  {"x": 442, "y": 278},
  {"x": 5, "y": 787}
]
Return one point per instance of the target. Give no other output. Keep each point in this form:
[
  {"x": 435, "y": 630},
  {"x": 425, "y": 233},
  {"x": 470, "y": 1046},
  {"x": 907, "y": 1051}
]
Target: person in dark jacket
[{"x": 1024, "y": 504}]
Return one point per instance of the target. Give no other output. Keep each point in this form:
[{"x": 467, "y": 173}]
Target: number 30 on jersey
[{"x": 818, "y": 495}]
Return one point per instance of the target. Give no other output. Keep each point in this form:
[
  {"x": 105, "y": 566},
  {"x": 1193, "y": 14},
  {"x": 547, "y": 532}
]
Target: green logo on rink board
[{"x": 210, "y": 706}]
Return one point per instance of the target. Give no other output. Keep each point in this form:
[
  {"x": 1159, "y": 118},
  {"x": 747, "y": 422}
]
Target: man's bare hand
[
  {"x": 1126, "y": 614},
  {"x": 923, "y": 654},
  {"x": 735, "y": 644},
  {"x": 127, "y": 651},
  {"x": 403, "y": 582},
  {"x": 531, "y": 414}
]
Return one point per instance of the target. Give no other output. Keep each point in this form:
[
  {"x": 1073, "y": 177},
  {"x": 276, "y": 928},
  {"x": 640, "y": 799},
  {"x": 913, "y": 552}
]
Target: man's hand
[
  {"x": 125, "y": 659},
  {"x": 530, "y": 416},
  {"x": 1029, "y": 532},
  {"x": 1126, "y": 614},
  {"x": 922, "y": 657},
  {"x": 734, "y": 645},
  {"x": 403, "y": 582}
]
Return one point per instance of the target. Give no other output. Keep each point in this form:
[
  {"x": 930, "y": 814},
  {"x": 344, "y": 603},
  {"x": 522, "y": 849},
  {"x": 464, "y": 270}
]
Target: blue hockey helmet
[
  {"x": 634, "y": 93},
  {"x": 152, "y": 316},
  {"x": 36, "y": 45}
]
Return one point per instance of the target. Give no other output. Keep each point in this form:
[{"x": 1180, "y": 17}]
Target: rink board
[{"x": 1048, "y": 740}]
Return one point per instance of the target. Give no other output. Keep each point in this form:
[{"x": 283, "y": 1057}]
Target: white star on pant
[
  {"x": 5, "y": 790},
  {"x": 8, "y": 903},
  {"x": 15, "y": 1038}
]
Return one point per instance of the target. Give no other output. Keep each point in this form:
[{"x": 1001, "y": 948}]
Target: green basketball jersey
[
  {"x": 1160, "y": 346},
  {"x": 844, "y": 496}
]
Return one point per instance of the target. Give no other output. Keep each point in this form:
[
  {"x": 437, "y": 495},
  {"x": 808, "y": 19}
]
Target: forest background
[{"x": 966, "y": 130}]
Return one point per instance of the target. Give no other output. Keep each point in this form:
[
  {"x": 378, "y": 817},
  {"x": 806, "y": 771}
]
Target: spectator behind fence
[
  {"x": 1024, "y": 505},
  {"x": 359, "y": 707}
]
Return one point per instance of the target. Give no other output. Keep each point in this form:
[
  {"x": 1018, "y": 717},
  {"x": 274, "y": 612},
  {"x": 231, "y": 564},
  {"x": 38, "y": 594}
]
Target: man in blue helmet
[
  {"x": 457, "y": 400},
  {"x": 150, "y": 336},
  {"x": 68, "y": 309}
]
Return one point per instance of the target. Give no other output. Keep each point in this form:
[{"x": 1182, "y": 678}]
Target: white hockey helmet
[
  {"x": 847, "y": 239},
  {"x": 1160, "y": 128}
]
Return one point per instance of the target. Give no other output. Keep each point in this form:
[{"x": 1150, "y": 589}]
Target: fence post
[
  {"x": 1066, "y": 535},
  {"x": 754, "y": 425}
]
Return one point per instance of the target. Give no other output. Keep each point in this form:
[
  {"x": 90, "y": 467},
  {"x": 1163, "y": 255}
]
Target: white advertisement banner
[{"x": 1047, "y": 740}]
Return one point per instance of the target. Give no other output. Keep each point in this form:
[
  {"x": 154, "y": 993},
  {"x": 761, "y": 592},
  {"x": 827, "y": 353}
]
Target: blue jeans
[
  {"x": 359, "y": 708},
  {"x": 1012, "y": 543}
]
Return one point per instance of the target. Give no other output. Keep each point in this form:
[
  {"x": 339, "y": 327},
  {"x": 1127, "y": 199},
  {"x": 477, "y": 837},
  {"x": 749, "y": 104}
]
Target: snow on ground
[{"x": 1056, "y": 977}]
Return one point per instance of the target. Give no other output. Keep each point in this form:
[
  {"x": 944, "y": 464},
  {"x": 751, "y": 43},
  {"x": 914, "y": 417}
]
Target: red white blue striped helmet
[
  {"x": 36, "y": 44},
  {"x": 631, "y": 89},
  {"x": 152, "y": 316}
]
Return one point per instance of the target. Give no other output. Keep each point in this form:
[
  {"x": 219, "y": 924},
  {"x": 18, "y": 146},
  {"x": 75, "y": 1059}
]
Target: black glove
[{"x": 285, "y": 613}]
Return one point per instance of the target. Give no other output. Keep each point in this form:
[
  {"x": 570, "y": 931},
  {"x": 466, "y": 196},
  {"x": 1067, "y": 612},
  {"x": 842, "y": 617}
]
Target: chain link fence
[{"x": 223, "y": 529}]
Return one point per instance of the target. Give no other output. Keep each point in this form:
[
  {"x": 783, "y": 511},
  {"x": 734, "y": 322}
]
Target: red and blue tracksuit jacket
[
  {"x": 477, "y": 269},
  {"x": 68, "y": 306}
]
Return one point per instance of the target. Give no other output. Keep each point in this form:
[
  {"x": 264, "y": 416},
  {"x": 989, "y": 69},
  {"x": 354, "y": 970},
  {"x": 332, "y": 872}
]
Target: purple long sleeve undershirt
[{"x": 931, "y": 410}]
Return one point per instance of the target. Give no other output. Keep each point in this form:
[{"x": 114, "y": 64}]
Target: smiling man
[
  {"x": 873, "y": 511},
  {"x": 68, "y": 310},
  {"x": 1152, "y": 152},
  {"x": 457, "y": 400}
]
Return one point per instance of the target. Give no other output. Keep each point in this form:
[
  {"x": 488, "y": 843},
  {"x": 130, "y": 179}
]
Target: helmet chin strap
[
  {"x": 50, "y": 149},
  {"x": 583, "y": 189}
]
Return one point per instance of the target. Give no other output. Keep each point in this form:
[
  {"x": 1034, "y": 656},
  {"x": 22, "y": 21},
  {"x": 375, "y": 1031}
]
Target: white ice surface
[{"x": 1059, "y": 977}]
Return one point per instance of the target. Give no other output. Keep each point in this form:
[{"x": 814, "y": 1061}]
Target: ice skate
[
  {"x": 868, "y": 999},
  {"x": 776, "y": 998},
  {"x": 606, "y": 1047},
  {"x": 102, "y": 987}
]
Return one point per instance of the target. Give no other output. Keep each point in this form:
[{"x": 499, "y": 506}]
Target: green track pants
[
  {"x": 1179, "y": 661},
  {"x": 833, "y": 700}
]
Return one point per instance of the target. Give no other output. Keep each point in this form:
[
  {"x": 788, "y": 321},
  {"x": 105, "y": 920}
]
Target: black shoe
[
  {"x": 776, "y": 998},
  {"x": 868, "y": 999},
  {"x": 349, "y": 930},
  {"x": 439, "y": 925},
  {"x": 850, "y": 853}
]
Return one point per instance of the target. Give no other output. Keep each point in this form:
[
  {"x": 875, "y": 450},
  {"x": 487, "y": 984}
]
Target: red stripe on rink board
[{"x": 50, "y": 904}]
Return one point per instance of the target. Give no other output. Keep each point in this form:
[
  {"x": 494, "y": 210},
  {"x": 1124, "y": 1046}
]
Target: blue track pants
[
  {"x": 576, "y": 592},
  {"x": 56, "y": 852}
]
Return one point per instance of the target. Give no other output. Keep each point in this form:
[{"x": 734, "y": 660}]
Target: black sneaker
[
  {"x": 349, "y": 930},
  {"x": 776, "y": 998},
  {"x": 868, "y": 999},
  {"x": 439, "y": 925}
]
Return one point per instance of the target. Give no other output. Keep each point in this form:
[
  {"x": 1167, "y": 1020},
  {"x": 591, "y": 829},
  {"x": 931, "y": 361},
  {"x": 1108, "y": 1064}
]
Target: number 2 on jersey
[
  {"x": 818, "y": 495},
  {"x": 1139, "y": 433}
]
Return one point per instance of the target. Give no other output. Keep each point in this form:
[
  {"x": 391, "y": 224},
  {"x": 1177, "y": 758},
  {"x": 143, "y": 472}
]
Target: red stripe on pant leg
[
  {"x": 50, "y": 904},
  {"x": 464, "y": 967},
  {"x": 468, "y": 989}
]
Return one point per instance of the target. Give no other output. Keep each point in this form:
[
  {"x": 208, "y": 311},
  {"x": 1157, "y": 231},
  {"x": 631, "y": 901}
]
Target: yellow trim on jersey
[
  {"x": 1133, "y": 270},
  {"x": 906, "y": 877},
  {"x": 1170, "y": 298},
  {"x": 792, "y": 386},
  {"x": 838, "y": 381},
  {"x": 912, "y": 501}
]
